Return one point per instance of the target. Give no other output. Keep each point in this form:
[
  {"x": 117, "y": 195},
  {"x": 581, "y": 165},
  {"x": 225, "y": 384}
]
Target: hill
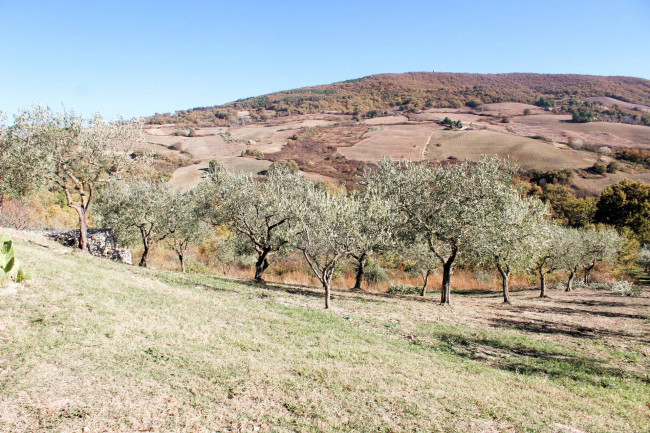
[
  {"x": 94, "y": 345},
  {"x": 421, "y": 90},
  {"x": 334, "y": 131}
]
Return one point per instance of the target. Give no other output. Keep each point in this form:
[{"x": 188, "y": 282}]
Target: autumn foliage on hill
[{"x": 418, "y": 90}]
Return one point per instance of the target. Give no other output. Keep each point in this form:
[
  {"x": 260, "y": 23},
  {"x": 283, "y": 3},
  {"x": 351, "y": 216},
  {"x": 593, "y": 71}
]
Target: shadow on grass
[
  {"x": 569, "y": 311},
  {"x": 548, "y": 327},
  {"x": 522, "y": 359}
]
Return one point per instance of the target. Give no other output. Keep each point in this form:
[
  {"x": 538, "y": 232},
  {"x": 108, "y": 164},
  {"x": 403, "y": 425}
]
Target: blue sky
[{"x": 136, "y": 58}]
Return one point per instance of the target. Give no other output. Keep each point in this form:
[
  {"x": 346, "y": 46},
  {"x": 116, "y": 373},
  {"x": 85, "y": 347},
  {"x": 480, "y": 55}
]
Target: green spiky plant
[{"x": 9, "y": 266}]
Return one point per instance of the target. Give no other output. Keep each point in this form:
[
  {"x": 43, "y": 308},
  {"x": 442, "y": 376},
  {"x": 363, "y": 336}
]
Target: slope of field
[
  {"x": 611, "y": 102},
  {"x": 595, "y": 133},
  {"x": 397, "y": 141},
  {"x": 92, "y": 345},
  {"x": 417, "y": 142}
]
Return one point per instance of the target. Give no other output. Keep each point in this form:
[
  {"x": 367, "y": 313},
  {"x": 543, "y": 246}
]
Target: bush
[
  {"x": 526, "y": 111},
  {"x": 404, "y": 289},
  {"x": 288, "y": 164},
  {"x": 625, "y": 288},
  {"x": 575, "y": 143},
  {"x": 613, "y": 167},
  {"x": 375, "y": 273},
  {"x": 599, "y": 168},
  {"x": 254, "y": 153},
  {"x": 505, "y": 119},
  {"x": 582, "y": 115}
]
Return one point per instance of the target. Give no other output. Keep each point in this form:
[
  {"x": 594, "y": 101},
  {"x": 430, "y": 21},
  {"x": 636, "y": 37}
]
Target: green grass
[{"x": 92, "y": 343}]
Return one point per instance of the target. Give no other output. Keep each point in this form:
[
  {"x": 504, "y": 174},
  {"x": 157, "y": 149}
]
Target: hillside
[
  {"x": 91, "y": 343},
  {"x": 421, "y": 90}
]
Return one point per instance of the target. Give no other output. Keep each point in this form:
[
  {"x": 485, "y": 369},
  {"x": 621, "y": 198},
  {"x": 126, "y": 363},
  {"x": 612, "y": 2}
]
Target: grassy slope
[{"x": 116, "y": 348}]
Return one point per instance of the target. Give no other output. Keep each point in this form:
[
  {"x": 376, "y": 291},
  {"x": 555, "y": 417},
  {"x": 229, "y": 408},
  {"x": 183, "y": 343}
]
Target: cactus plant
[{"x": 9, "y": 266}]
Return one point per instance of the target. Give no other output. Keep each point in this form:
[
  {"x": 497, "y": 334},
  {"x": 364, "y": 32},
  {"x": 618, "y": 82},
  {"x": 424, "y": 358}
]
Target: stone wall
[{"x": 101, "y": 243}]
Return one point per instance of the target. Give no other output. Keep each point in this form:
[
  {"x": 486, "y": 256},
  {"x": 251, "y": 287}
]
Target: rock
[{"x": 101, "y": 243}]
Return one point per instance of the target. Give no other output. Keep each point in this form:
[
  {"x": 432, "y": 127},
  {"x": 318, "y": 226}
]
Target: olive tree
[
  {"x": 511, "y": 235},
  {"x": 446, "y": 206},
  {"x": 68, "y": 152},
  {"x": 137, "y": 210},
  {"x": 324, "y": 229},
  {"x": 599, "y": 246},
  {"x": 569, "y": 252},
  {"x": 419, "y": 260},
  {"x": 184, "y": 223},
  {"x": 548, "y": 260},
  {"x": 260, "y": 211},
  {"x": 377, "y": 229}
]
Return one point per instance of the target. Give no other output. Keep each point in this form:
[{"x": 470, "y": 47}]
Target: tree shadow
[
  {"x": 569, "y": 311},
  {"x": 520, "y": 359},
  {"x": 548, "y": 327}
]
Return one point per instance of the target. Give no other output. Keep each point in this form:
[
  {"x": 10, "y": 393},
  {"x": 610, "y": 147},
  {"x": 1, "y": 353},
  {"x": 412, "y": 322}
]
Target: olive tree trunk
[
  {"x": 146, "y": 244},
  {"x": 569, "y": 283},
  {"x": 542, "y": 284},
  {"x": 425, "y": 283},
  {"x": 361, "y": 267},
  {"x": 181, "y": 259},
  {"x": 262, "y": 264},
  {"x": 505, "y": 275},
  {"x": 588, "y": 269}
]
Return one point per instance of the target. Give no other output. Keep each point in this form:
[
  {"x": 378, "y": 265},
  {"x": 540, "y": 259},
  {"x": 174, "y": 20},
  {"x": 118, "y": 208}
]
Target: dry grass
[
  {"x": 529, "y": 153},
  {"x": 397, "y": 141},
  {"x": 559, "y": 128},
  {"x": 91, "y": 343}
]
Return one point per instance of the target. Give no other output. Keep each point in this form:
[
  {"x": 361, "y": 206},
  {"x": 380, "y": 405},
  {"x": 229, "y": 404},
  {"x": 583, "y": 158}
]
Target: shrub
[
  {"x": 505, "y": 119},
  {"x": 613, "y": 167},
  {"x": 625, "y": 288},
  {"x": 289, "y": 164},
  {"x": 254, "y": 153},
  {"x": 575, "y": 143},
  {"x": 526, "y": 111},
  {"x": 582, "y": 115},
  {"x": 404, "y": 289},
  {"x": 375, "y": 273},
  {"x": 472, "y": 104},
  {"x": 599, "y": 168}
]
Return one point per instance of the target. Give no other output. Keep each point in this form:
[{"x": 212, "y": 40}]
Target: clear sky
[{"x": 136, "y": 58}]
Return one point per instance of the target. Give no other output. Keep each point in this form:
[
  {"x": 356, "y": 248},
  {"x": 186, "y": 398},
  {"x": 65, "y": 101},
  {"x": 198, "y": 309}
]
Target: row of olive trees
[
  {"x": 433, "y": 216},
  {"x": 442, "y": 216}
]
